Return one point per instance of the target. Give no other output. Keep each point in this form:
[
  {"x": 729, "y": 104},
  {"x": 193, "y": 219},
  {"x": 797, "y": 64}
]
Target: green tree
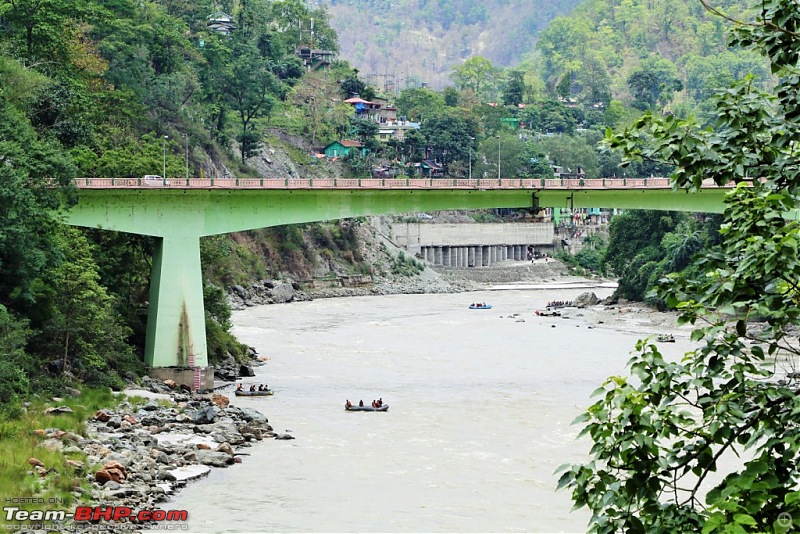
[
  {"x": 416, "y": 104},
  {"x": 653, "y": 83},
  {"x": 448, "y": 137},
  {"x": 476, "y": 73},
  {"x": 572, "y": 152},
  {"x": 251, "y": 88},
  {"x": 84, "y": 330},
  {"x": 27, "y": 166},
  {"x": 514, "y": 88},
  {"x": 636, "y": 238},
  {"x": 709, "y": 443}
]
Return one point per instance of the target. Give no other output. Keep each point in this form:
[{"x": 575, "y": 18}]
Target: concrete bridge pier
[{"x": 176, "y": 325}]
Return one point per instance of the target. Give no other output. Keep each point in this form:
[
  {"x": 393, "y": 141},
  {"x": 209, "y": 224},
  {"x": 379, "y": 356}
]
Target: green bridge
[{"x": 180, "y": 212}]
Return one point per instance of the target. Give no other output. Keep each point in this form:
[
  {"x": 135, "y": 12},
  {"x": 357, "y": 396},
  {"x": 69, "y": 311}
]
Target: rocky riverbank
[
  {"x": 429, "y": 280},
  {"x": 150, "y": 445}
]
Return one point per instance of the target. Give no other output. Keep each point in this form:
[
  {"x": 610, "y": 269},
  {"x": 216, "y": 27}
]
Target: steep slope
[{"x": 400, "y": 43}]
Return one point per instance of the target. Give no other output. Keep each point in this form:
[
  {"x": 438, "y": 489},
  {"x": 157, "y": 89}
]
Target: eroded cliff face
[{"x": 281, "y": 156}]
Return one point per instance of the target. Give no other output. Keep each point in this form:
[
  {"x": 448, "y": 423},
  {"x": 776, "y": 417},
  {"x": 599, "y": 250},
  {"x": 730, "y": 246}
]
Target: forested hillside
[
  {"x": 668, "y": 55},
  {"x": 406, "y": 42}
]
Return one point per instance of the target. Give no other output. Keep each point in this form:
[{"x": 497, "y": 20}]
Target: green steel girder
[{"x": 180, "y": 217}]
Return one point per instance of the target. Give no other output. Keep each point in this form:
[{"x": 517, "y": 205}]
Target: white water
[{"x": 479, "y": 417}]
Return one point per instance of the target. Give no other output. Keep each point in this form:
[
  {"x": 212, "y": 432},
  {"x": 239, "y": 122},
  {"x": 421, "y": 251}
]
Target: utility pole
[{"x": 164, "y": 167}]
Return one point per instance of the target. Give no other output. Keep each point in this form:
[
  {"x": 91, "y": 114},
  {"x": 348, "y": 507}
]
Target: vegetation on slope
[
  {"x": 709, "y": 443},
  {"x": 404, "y": 43}
]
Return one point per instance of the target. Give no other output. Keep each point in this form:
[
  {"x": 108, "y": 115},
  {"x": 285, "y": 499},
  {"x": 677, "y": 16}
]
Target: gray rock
[
  {"x": 205, "y": 415},
  {"x": 586, "y": 299},
  {"x": 240, "y": 291},
  {"x": 213, "y": 458},
  {"x": 249, "y": 414},
  {"x": 282, "y": 292}
]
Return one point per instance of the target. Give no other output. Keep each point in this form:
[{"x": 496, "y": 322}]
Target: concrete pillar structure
[
  {"x": 437, "y": 256},
  {"x": 471, "y": 257}
]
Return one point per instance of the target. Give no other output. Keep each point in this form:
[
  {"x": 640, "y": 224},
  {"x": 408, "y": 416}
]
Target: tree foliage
[{"x": 710, "y": 443}]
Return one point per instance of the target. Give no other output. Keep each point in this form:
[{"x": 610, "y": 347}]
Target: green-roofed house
[{"x": 339, "y": 149}]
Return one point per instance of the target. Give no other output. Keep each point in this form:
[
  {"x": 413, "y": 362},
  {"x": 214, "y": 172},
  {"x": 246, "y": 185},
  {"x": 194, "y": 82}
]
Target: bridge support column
[
  {"x": 471, "y": 257},
  {"x": 176, "y": 327},
  {"x": 437, "y": 256},
  {"x": 446, "y": 256},
  {"x": 485, "y": 256}
]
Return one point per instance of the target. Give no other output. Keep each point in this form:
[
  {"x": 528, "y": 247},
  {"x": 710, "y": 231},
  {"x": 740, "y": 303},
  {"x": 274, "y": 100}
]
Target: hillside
[
  {"x": 400, "y": 43},
  {"x": 668, "y": 55}
]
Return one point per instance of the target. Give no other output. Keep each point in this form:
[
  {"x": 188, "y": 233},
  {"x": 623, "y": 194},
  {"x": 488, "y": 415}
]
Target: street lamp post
[
  {"x": 471, "y": 139},
  {"x": 187, "y": 159},
  {"x": 164, "y": 167},
  {"x": 498, "y": 157}
]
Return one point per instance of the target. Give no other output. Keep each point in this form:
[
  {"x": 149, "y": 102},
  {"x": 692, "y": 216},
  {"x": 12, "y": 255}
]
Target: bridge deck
[{"x": 381, "y": 183}]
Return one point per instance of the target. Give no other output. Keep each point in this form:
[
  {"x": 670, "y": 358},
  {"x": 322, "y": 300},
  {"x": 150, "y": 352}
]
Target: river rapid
[{"x": 481, "y": 403}]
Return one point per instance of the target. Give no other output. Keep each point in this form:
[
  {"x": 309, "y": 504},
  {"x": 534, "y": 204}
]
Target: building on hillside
[
  {"x": 395, "y": 130},
  {"x": 315, "y": 59},
  {"x": 429, "y": 168},
  {"x": 339, "y": 149},
  {"x": 362, "y": 107},
  {"x": 221, "y": 22}
]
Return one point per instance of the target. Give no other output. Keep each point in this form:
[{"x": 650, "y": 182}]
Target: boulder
[
  {"x": 213, "y": 458},
  {"x": 205, "y": 415},
  {"x": 111, "y": 471},
  {"x": 282, "y": 292},
  {"x": 586, "y": 299},
  {"x": 220, "y": 400},
  {"x": 102, "y": 416}
]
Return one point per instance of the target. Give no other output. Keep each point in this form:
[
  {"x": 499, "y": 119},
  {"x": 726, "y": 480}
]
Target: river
[{"x": 481, "y": 403}]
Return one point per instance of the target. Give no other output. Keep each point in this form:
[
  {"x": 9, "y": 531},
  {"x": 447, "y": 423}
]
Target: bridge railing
[{"x": 380, "y": 183}]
